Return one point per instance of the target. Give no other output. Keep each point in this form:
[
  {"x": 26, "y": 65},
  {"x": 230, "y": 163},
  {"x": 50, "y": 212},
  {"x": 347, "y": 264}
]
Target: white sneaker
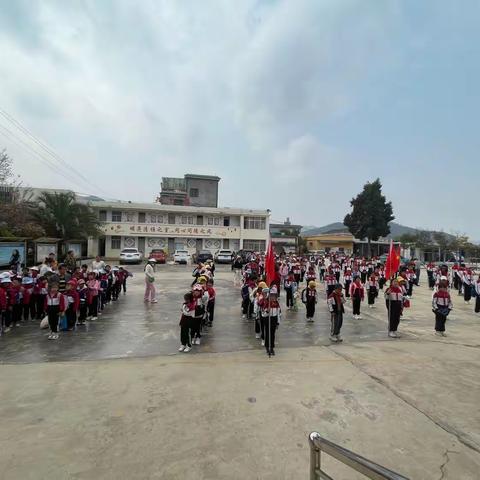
[
  {"x": 55, "y": 336},
  {"x": 181, "y": 348},
  {"x": 50, "y": 336},
  {"x": 333, "y": 338},
  {"x": 257, "y": 336},
  {"x": 244, "y": 316},
  {"x": 197, "y": 341},
  {"x": 393, "y": 334},
  {"x": 17, "y": 324},
  {"x": 263, "y": 343},
  {"x": 339, "y": 338},
  {"x": 187, "y": 349},
  {"x": 154, "y": 301},
  {"x": 94, "y": 318},
  {"x": 359, "y": 317}
]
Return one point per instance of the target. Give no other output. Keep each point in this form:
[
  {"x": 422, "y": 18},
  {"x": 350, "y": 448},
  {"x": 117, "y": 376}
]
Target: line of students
[{"x": 64, "y": 299}]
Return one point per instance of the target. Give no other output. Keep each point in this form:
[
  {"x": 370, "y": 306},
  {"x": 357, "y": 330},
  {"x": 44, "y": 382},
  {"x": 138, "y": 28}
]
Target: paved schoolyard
[{"x": 409, "y": 404}]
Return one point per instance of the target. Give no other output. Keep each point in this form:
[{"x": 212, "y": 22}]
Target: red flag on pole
[
  {"x": 270, "y": 264},
  {"x": 393, "y": 261}
]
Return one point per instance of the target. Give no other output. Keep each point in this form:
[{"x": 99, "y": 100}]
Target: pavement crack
[
  {"x": 444, "y": 464},
  {"x": 460, "y": 436}
]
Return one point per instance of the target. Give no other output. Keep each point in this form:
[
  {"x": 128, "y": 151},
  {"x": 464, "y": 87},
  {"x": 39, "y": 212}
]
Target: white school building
[{"x": 170, "y": 227}]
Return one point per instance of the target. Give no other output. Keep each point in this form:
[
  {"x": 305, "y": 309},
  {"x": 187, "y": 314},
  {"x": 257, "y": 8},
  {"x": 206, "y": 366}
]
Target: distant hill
[{"x": 396, "y": 230}]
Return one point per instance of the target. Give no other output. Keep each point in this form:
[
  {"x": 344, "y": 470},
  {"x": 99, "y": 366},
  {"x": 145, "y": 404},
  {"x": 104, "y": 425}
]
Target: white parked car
[
  {"x": 181, "y": 256},
  {"x": 131, "y": 255},
  {"x": 223, "y": 256}
]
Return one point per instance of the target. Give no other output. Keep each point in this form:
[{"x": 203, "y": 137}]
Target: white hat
[
  {"x": 5, "y": 280},
  {"x": 5, "y": 275},
  {"x": 443, "y": 277},
  {"x": 34, "y": 268},
  {"x": 27, "y": 280},
  {"x": 151, "y": 260}
]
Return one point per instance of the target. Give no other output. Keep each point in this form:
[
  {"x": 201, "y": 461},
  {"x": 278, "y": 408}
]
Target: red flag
[
  {"x": 393, "y": 261},
  {"x": 270, "y": 264}
]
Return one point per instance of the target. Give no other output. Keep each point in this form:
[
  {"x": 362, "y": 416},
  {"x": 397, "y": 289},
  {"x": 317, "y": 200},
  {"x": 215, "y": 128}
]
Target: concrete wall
[{"x": 207, "y": 192}]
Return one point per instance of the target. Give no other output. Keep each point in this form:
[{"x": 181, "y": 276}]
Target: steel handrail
[{"x": 366, "y": 467}]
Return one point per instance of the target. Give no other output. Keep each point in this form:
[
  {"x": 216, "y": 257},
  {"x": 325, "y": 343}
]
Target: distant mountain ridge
[{"x": 396, "y": 230}]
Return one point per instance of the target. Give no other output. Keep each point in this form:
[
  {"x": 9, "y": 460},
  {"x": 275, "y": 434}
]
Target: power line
[
  {"x": 48, "y": 150},
  {"x": 20, "y": 143}
]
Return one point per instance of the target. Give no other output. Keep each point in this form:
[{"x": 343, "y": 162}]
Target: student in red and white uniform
[
  {"x": 394, "y": 296},
  {"x": 347, "y": 279},
  {"x": 431, "y": 275},
  {"x": 188, "y": 312},
  {"x": 442, "y": 304},
  {"x": 28, "y": 301},
  {"x": 372, "y": 289},
  {"x": 335, "y": 302},
  {"x": 270, "y": 313},
  {"x": 211, "y": 302},
  {"x": 477, "y": 298},
  {"x": 55, "y": 305},
  {"x": 309, "y": 299},
  {"x": 40, "y": 291},
  {"x": 311, "y": 276},
  {"x": 73, "y": 303},
  {"x": 363, "y": 269},
  {"x": 357, "y": 292},
  {"x": 93, "y": 286},
  {"x": 330, "y": 281},
  {"x": 467, "y": 279}
]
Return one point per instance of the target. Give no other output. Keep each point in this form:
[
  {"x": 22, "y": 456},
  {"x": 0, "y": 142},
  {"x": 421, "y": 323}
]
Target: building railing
[{"x": 360, "y": 464}]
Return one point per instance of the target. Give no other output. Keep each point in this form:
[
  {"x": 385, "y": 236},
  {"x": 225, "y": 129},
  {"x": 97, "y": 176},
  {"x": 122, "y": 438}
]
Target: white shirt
[
  {"x": 149, "y": 272},
  {"x": 98, "y": 265}
]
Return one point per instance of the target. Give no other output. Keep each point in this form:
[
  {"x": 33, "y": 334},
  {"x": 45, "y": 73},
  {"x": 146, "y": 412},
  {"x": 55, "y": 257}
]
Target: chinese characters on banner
[{"x": 127, "y": 229}]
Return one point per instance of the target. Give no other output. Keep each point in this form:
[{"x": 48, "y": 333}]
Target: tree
[
  {"x": 370, "y": 215},
  {"x": 62, "y": 217}
]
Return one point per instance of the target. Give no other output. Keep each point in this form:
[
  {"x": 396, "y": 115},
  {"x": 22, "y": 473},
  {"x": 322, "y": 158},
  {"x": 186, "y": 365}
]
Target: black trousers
[
  {"x": 211, "y": 310},
  {"x": 289, "y": 293},
  {"x": 52, "y": 312},
  {"x": 71, "y": 316},
  {"x": 356, "y": 302},
  {"x": 337, "y": 322},
  {"x": 337, "y": 276},
  {"x": 347, "y": 288},
  {"x": 456, "y": 281},
  {"x": 83, "y": 312},
  {"x": 410, "y": 288},
  {"x": 185, "y": 329},
  {"x": 477, "y": 304},
  {"x": 417, "y": 280},
  {"x": 124, "y": 285},
  {"x": 196, "y": 327},
  {"x": 270, "y": 326},
  {"x": 7, "y": 318},
  {"x": 467, "y": 292},
  {"x": 40, "y": 301},
  {"x": 310, "y": 309},
  {"x": 29, "y": 310},
  {"x": 372, "y": 294},
  {"x": 431, "y": 280},
  {"x": 440, "y": 322},
  {"x": 17, "y": 313},
  {"x": 93, "y": 307},
  {"x": 363, "y": 276},
  {"x": 259, "y": 326},
  {"x": 322, "y": 274},
  {"x": 394, "y": 309},
  {"x": 247, "y": 307}
]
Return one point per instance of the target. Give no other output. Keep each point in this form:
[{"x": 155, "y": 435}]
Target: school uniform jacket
[
  {"x": 394, "y": 294},
  {"x": 442, "y": 299},
  {"x": 373, "y": 282},
  {"x": 335, "y": 303},
  {"x": 309, "y": 295},
  {"x": 73, "y": 298},
  {"x": 55, "y": 300},
  {"x": 357, "y": 290}
]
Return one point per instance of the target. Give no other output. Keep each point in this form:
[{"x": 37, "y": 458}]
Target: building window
[
  {"x": 194, "y": 192},
  {"x": 178, "y": 201},
  {"x": 116, "y": 243},
  {"x": 141, "y": 217},
  {"x": 171, "y": 219},
  {"x": 213, "y": 221},
  {"x": 116, "y": 216},
  {"x": 160, "y": 219},
  {"x": 186, "y": 220},
  {"x": 153, "y": 219},
  {"x": 226, "y": 221},
  {"x": 102, "y": 215},
  {"x": 129, "y": 217},
  {"x": 254, "y": 245},
  {"x": 254, "y": 223}
]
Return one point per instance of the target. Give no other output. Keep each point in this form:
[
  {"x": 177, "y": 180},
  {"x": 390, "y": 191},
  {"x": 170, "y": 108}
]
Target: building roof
[
  {"x": 158, "y": 207},
  {"x": 202, "y": 177}
]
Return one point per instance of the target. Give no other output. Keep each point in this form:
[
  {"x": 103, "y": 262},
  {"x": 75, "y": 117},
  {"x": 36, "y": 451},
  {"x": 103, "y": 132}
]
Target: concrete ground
[{"x": 70, "y": 410}]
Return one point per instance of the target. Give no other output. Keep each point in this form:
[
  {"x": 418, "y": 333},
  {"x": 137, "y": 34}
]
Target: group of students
[
  {"x": 198, "y": 307},
  {"x": 61, "y": 296},
  {"x": 362, "y": 279}
]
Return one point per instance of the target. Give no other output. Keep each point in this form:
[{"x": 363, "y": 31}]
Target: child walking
[
  {"x": 335, "y": 303},
  {"x": 310, "y": 298},
  {"x": 55, "y": 306},
  {"x": 357, "y": 292},
  {"x": 442, "y": 304},
  {"x": 211, "y": 302},
  {"x": 188, "y": 312}
]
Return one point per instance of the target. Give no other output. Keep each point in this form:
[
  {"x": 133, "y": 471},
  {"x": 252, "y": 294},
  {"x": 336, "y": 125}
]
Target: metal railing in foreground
[{"x": 362, "y": 465}]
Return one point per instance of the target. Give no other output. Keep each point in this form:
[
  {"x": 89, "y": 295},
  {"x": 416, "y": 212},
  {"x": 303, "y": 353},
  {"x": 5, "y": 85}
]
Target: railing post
[{"x": 315, "y": 460}]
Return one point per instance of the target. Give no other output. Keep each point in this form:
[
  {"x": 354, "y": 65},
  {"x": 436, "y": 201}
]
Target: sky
[{"x": 295, "y": 104}]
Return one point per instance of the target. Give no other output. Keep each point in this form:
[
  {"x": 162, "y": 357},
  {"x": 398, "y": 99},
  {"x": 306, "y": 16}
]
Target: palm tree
[{"x": 62, "y": 217}]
